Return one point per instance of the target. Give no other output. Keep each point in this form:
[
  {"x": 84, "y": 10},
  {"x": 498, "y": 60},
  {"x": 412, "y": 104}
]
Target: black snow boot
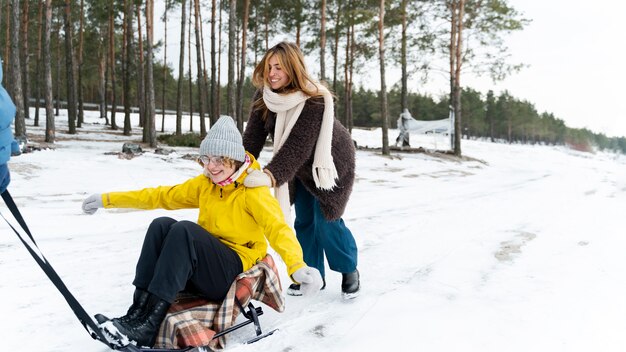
[
  {"x": 142, "y": 331},
  {"x": 140, "y": 299},
  {"x": 350, "y": 284},
  {"x": 294, "y": 289}
]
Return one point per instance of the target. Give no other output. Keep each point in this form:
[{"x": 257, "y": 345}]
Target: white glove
[
  {"x": 310, "y": 280},
  {"x": 257, "y": 178},
  {"x": 92, "y": 203}
]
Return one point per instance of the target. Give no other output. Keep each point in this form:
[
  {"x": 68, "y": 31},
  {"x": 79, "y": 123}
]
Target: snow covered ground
[{"x": 519, "y": 250}]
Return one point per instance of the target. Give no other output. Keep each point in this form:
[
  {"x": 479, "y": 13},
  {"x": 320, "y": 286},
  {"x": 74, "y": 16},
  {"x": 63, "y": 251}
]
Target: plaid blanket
[{"x": 192, "y": 321}]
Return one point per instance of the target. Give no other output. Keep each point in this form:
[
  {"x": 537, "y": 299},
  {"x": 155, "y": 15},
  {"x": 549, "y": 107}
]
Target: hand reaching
[
  {"x": 310, "y": 280},
  {"x": 92, "y": 203},
  {"x": 257, "y": 178}
]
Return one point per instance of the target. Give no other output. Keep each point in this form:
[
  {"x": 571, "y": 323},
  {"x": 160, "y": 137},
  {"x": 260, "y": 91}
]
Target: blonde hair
[
  {"x": 291, "y": 61},
  {"x": 235, "y": 164}
]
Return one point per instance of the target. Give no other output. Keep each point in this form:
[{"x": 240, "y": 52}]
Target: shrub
[{"x": 184, "y": 140}]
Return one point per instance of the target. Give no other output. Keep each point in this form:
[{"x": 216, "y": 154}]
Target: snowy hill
[{"x": 520, "y": 250}]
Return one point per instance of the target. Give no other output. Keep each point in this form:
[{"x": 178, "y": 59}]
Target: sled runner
[{"x": 185, "y": 327}]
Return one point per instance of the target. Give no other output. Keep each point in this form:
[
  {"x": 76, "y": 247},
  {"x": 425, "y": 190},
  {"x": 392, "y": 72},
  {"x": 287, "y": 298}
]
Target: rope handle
[{"x": 84, "y": 318}]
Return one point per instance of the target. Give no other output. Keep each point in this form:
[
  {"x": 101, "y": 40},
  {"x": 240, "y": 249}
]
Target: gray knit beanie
[{"x": 224, "y": 139}]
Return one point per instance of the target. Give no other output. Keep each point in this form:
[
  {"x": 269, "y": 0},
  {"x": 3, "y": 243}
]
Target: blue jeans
[{"x": 318, "y": 235}]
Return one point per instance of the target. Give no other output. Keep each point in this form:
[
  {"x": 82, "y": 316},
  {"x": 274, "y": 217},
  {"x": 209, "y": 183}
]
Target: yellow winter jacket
[{"x": 240, "y": 217}]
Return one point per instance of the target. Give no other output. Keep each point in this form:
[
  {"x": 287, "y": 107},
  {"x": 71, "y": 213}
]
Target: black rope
[{"x": 84, "y": 318}]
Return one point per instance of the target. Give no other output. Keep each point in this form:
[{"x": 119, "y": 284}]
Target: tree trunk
[
  {"x": 323, "y": 42},
  {"x": 298, "y": 31},
  {"x": 47, "y": 74},
  {"x": 383, "y": 86},
  {"x": 232, "y": 51},
  {"x": 181, "y": 68},
  {"x": 112, "y": 64},
  {"x": 189, "y": 70},
  {"x": 150, "y": 107},
  {"x": 404, "y": 90},
  {"x": 219, "y": 63},
  {"x": 489, "y": 102},
  {"x": 256, "y": 35},
  {"x": 298, "y": 10},
  {"x": 58, "y": 69},
  {"x": 141, "y": 79},
  {"x": 163, "y": 105},
  {"x": 266, "y": 24},
  {"x": 453, "y": 28},
  {"x": 38, "y": 72},
  {"x": 509, "y": 128},
  {"x": 242, "y": 68},
  {"x": 102, "y": 83},
  {"x": 351, "y": 74},
  {"x": 16, "y": 71},
  {"x": 336, "y": 52},
  {"x": 69, "y": 69},
  {"x": 200, "y": 78},
  {"x": 205, "y": 79},
  {"x": 214, "y": 100},
  {"x": 81, "y": 112},
  {"x": 457, "y": 8},
  {"x": 346, "y": 88},
  {"x": 126, "y": 62},
  {"x": 25, "y": 59},
  {"x": 7, "y": 46}
]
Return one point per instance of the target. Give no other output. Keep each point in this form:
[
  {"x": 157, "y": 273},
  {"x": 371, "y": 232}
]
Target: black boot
[
  {"x": 143, "y": 330},
  {"x": 140, "y": 299},
  {"x": 350, "y": 284}
]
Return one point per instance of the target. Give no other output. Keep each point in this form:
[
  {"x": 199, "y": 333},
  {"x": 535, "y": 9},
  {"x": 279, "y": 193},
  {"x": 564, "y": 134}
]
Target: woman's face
[
  {"x": 277, "y": 77},
  {"x": 216, "y": 169}
]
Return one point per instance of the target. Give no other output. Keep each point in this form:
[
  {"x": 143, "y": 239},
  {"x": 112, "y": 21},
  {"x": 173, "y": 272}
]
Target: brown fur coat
[{"x": 295, "y": 157}]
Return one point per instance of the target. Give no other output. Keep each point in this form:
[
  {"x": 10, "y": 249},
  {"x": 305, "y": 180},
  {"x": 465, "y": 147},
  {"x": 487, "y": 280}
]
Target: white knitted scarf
[{"x": 288, "y": 108}]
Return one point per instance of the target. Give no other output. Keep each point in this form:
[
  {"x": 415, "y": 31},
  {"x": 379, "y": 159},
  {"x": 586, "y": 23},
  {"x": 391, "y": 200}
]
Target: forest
[{"x": 106, "y": 55}]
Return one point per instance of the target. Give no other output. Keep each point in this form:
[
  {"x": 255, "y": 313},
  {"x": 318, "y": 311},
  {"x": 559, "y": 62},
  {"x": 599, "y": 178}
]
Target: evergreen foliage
[{"x": 514, "y": 120}]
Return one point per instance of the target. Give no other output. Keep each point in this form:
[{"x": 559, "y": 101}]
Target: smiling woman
[{"x": 313, "y": 163}]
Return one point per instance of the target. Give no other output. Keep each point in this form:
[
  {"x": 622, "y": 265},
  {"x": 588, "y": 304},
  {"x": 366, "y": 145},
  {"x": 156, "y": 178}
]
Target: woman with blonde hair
[{"x": 313, "y": 162}]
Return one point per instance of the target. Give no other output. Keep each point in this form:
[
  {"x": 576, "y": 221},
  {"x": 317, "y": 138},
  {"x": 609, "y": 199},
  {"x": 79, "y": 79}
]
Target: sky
[
  {"x": 518, "y": 248},
  {"x": 574, "y": 52}
]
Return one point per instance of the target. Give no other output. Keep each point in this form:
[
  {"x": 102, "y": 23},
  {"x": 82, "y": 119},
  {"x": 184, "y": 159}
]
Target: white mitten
[
  {"x": 257, "y": 178},
  {"x": 310, "y": 280},
  {"x": 92, "y": 203}
]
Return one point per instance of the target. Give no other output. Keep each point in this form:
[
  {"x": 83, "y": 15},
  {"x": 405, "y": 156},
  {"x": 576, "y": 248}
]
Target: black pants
[{"x": 181, "y": 255}]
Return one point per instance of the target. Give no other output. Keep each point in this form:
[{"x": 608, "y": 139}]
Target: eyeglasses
[{"x": 206, "y": 159}]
